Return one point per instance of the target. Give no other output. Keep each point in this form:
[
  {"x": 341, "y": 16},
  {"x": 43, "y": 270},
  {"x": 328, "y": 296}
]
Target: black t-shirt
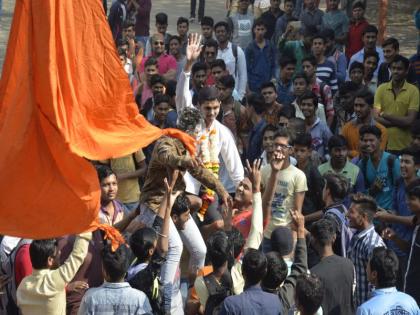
[{"x": 337, "y": 275}]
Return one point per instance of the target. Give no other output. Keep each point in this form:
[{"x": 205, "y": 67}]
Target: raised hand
[
  {"x": 389, "y": 234},
  {"x": 277, "y": 161},
  {"x": 254, "y": 174},
  {"x": 77, "y": 286},
  {"x": 194, "y": 47}
]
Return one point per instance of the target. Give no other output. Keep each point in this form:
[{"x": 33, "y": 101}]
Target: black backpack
[{"x": 218, "y": 292}]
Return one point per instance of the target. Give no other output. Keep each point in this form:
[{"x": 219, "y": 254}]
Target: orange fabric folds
[{"x": 63, "y": 97}]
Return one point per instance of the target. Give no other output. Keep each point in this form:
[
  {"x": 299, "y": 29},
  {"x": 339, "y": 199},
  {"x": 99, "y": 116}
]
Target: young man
[
  {"x": 334, "y": 55},
  {"x": 285, "y": 187},
  {"x": 144, "y": 89},
  {"x": 311, "y": 16},
  {"x": 380, "y": 169},
  {"x": 175, "y": 43},
  {"x": 284, "y": 84},
  {"x": 256, "y": 107},
  {"x": 198, "y": 79},
  {"x": 397, "y": 105},
  {"x": 337, "y": 21},
  {"x": 338, "y": 164},
  {"x": 161, "y": 23},
  {"x": 253, "y": 299},
  {"x": 283, "y": 20},
  {"x": 356, "y": 73},
  {"x": 267, "y": 144},
  {"x": 269, "y": 93},
  {"x": 182, "y": 27},
  {"x": 43, "y": 292},
  {"x": 163, "y": 115},
  {"x": 320, "y": 88},
  {"x": 370, "y": 36},
  {"x": 319, "y": 131},
  {"x": 241, "y": 25},
  {"x": 233, "y": 56},
  {"x": 363, "y": 109},
  {"x": 207, "y": 24},
  {"x": 335, "y": 272},
  {"x": 357, "y": 24},
  {"x": 208, "y": 56},
  {"x": 302, "y": 148},
  {"x": 382, "y": 273},
  {"x": 360, "y": 216},
  {"x": 325, "y": 70},
  {"x": 344, "y": 103},
  {"x": 271, "y": 16},
  {"x": 260, "y": 58},
  {"x": 309, "y": 294},
  {"x": 115, "y": 295},
  {"x": 370, "y": 64}
]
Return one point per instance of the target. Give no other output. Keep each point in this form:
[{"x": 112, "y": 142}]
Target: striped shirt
[
  {"x": 360, "y": 250},
  {"x": 326, "y": 72}
]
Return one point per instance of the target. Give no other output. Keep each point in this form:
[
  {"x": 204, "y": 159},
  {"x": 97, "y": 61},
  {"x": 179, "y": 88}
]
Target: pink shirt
[{"x": 165, "y": 62}]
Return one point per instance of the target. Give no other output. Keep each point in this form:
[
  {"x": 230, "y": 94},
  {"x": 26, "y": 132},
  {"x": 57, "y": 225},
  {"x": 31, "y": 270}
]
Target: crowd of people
[{"x": 303, "y": 196}]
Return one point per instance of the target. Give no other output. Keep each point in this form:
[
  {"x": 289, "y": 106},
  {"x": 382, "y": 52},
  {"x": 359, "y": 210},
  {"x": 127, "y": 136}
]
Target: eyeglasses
[
  {"x": 281, "y": 146},
  {"x": 159, "y": 43}
]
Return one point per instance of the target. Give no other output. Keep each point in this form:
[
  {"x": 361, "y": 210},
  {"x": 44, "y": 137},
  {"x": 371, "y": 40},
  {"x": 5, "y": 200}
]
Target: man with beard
[{"x": 363, "y": 109}]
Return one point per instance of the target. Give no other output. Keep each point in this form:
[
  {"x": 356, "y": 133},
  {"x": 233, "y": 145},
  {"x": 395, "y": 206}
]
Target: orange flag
[{"x": 64, "y": 97}]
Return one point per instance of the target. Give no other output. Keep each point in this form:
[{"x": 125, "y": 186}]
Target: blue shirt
[
  {"x": 285, "y": 92},
  {"x": 389, "y": 301},
  {"x": 255, "y": 141},
  {"x": 359, "y": 58},
  {"x": 115, "y": 298},
  {"x": 253, "y": 301},
  {"x": 381, "y": 173}
]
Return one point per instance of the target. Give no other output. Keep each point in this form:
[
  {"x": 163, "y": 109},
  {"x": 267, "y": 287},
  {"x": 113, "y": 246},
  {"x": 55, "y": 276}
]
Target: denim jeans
[{"x": 170, "y": 273}]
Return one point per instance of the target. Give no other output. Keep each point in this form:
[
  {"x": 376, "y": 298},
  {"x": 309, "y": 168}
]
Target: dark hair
[
  {"x": 370, "y": 29},
  {"x": 254, "y": 266},
  {"x": 328, "y": 33},
  {"x": 157, "y": 78},
  {"x": 371, "y": 54},
  {"x": 222, "y": 24},
  {"x": 367, "y": 95},
  {"x": 259, "y": 22},
  {"x": 104, "y": 171},
  {"x": 218, "y": 63},
  {"x": 399, "y": 58},
  {"x": 391, "y": 41},
  {"x": 356, "y": 65},
  {"x": 181, "y": 205},
  {"x": 301, "y": 75},
  {"x": 319, "y": 36},
  {"x": 268, "y": 84},
  {"x": 122, "y": 52},
  {"x": 151, "y": 61},
  {"x": 199, "y": 66},
  {"x": 228, "y": 81},
  {"x": 309, "y": 292},
  {"x": 282, "y": 133},
  {"x": 336, "y": 141},
  {"x": 412, "y": 151},
  {"x": 181, "y": 20},
  {"x": 128, "y": 23},
  {"x": 236, "y": 240},
  {"x": 413, "y": 189},
  {"x": 385, "y": 262},
  {"x": 115, "y": 263},
  {"x": 176, "y": 37},
  {"x": 40, "y": 251},
  {"x": 310, "y": 31},
  {"x": 338, "y": 186},
  {"x": 311, "y": 59},
  {"x": 287, "y": 111},
  {"x": 257, "y": 102},
  {"x": 161, "y": 98},
  {"x": 348, "y": 87},
  {"x": 218, "y": 249},
  {"x": 323, "y": 231},
  {"x": 276, "y": 272},
  {"x": 366, "y": 204},
  {"x": 161, "y": 18},
  {"x": 207, "y": 21},
  {"x": 269, "y": 127},
  {"x": 141, "y": 241},
  {"x": 303, "y": 140},
  {"x": 309, "y": 95},
  {"x": 371, "y": 130},
  {"x": 211, "y": 43},
  {"x": 284, "y": 61}
]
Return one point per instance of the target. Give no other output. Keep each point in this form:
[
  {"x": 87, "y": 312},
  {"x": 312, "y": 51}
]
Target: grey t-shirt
[{"x": 242, "y": 29}]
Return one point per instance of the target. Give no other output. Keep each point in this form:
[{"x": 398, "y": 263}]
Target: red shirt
[
  {"x": 165, "y": 63},
  {"x": 23, "y": 265},
  {"x": 242, "y": 221},
  {"x": 354, "y": 43}
]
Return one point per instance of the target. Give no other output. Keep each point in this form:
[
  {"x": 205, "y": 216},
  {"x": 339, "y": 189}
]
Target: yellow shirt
[
  {"x": 43, "y": 292},
  {"x": 128, "y": 189},
  {"x": 397, "y": 105}
]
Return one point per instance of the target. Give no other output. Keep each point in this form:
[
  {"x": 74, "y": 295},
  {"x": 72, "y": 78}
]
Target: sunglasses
[{"x": 159, "y": 43}]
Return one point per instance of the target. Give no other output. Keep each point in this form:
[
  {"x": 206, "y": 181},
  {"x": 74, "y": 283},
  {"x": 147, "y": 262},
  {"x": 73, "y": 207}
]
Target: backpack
[
  {"x": 147, "y": 281},
  {"x": 390, "y": 165},
  {"x": 218, "y": 292},
  {"x": 344, "y": 233},
  {"x": 8, "y": 304}
]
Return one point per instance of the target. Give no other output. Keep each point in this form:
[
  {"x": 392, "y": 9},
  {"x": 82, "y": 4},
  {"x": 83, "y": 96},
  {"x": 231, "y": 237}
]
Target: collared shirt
[
  {"x": 320, "y": 134},
  {"x": 412, "y": 275},
  {"x": 349, "y": 171},
  {"x": 389, "y": 301},
  {"x": 359, "y": 57},
  {"x": 119, "y": 212},
  {"x": 354, "y": 39},
  {"x": 359, "y": 252},
  {"x": 115, "y": 298},
  {"x": 338, "y": 21},
  {"x": 165, "y": 63},
  {"x": 285, "y": 92},
  {"x": 311, "y": 18},
  {"x": 397, "y": 105}
]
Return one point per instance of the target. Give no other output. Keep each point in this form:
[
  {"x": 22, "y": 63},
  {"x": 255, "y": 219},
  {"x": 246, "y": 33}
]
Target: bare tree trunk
[{"x": 382, "y": 20}]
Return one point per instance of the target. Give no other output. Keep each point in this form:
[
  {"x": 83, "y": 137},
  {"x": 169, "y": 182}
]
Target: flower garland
[{"x": 210, "y": 158}]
